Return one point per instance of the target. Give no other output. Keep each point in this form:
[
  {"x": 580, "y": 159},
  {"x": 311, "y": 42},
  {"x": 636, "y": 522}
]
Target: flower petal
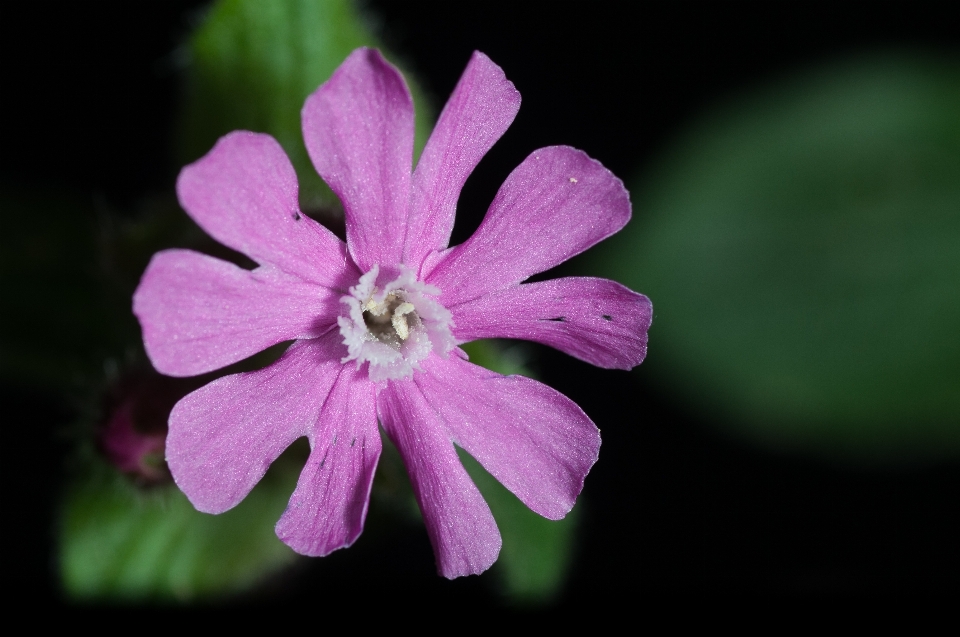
[
  {"x": 358, "y": 129},
  {"x": 465, "y": 537},
  {"x": 531, "y": 438},
  {"x": 327, "y": 510},
  {"x": 557, "y": 203},
  {"x": 224, "y": 435},
  {"x": 199, "y": 313},
  {"x": 244, "y": 194},
  {"x": 478, "y": 112},
  {"x": 596, "y": 320}
]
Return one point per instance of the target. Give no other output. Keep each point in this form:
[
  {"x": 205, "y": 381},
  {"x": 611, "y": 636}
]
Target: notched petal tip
[
  {"x": 199, "y": 313},
  {"x": 493, "y": 73},
  {"x": 462, "y": 530},
  {"x": 327, "y": 510},
  {"x": 586, "y": 172},
  {"x": 532, "y": 439},
  {"x": 244, "y": 194},
  {"x": 481, "y": 108},
  {"x": 224, "y": 436},
  {"x": 596, "y": 320},
  {"x": 557, "y": 203},
  {"x": 244, "y": 177}
]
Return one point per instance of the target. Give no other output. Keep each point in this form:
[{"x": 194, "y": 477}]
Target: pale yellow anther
[
  {"x": 400, "y": 320},
  {"x": 374, "y": 308}
]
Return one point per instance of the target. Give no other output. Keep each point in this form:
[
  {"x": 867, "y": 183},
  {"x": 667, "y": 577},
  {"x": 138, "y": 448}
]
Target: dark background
[{"x": 673, "y": 507}]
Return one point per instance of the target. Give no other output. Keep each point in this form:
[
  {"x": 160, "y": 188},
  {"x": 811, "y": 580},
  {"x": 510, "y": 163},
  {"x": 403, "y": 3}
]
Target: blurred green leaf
[
  {"x": 251, "y": 66},
  {"x": 120, "y": 542},
  {"x": 801, "y": 247},
  {"x": 536, "y": 552},
  {"x": 502, "y": 356}
]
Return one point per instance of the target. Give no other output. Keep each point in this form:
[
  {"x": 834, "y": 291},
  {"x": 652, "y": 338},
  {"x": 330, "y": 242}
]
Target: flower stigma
[{"x": 394, "y": 326}]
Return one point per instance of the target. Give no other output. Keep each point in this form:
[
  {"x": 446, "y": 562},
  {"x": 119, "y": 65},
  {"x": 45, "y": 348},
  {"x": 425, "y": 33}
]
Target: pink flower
[{"x": 377, "y": 320}]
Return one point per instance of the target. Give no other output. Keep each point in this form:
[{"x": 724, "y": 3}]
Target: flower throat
[
  {"x": 392, "y": 319},
  {"x": 393, "y": 325}
]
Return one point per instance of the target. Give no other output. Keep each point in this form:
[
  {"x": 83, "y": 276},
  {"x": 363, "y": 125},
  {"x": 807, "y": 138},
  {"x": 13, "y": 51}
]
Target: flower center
[
  {"x": 391, "y": 320},
  {"x": 394, "y": 326}
]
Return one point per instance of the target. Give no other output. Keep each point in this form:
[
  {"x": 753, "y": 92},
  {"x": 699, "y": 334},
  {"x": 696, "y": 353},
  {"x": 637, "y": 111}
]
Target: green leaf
[
  {"x": 120, "y": 542},
  {"x": 801, "y": 247},
  {"x": 252, "y": 64},
  {"x": 501, "y": 356}
]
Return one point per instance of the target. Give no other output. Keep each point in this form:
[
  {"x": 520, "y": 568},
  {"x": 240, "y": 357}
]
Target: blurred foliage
[
  {"x": 252, "y": 64},
  {"x": 801, "y": 246},
  {"x": 126, "y": 543}
]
